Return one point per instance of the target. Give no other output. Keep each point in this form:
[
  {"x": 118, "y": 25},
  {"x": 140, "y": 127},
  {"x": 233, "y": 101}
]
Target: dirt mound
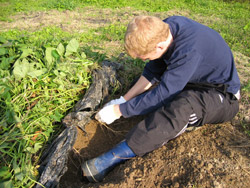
[{"x": 213, "y": 156}]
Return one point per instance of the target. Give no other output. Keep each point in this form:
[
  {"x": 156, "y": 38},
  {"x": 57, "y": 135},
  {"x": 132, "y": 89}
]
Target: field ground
[{"x": 213, "y": 156}]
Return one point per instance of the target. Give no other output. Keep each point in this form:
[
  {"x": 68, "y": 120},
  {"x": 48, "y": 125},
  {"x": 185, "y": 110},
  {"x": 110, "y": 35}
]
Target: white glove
[
  {"x": 107, "y": 115},
  {"x": 116, "y": 101}
]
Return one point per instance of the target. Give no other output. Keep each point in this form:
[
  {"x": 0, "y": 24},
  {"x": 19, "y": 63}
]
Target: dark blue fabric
[{"x": 197, "y": 54}]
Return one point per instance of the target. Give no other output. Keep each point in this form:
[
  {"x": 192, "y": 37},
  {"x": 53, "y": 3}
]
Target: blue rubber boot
[{"x": 96, "y": 169}]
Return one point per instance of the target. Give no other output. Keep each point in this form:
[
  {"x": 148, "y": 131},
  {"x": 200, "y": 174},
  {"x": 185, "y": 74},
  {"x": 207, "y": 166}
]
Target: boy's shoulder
[{"x": 175, "y": 18}]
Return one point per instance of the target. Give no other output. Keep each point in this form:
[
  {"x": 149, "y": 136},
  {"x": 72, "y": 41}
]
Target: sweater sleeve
[
  {"x": 179, "y": 72},
  {"x": 154, "y": 70}
]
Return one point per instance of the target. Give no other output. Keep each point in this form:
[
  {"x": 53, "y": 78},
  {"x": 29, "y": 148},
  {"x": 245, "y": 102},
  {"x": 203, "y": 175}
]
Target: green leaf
[
  {"x": 10, "y": 115},
  {"x": 55, "y": 54},
  {"x": 4, "y": 73},
  {"x": 26, "y": 52},
  {"x": 62, "y": 74},
  {"x": 5, "y": 64},
  {"x": 49, "y": 57},
  {"x": 45, "y": 120},
  {"x": 29, "y": 149},
  {"x": 21, "y": 68},
  {"x": 3, "y": 51},
  {"x": 37, "y": 146},
  {"x": 34, "y": 149},
  {"x": 83, "y": 55},
  {"x": 59, "y": 81},
  {"x": 72, "y": 47},
  {"x": 24, "y": 68},
  {"x": 36, "y": 73},
  {"x": 247, "y": 26},
  {"x": 6, "y": 184},
  {"x": 17, "y": 171},
  {"x": 60, "y": 49},
  {"x": 5, "y": 94},
  {"x": 5, "y": 174},
  {"x": 4, "y": 171},
  {"x": 57, "y": 116},
  {"x": 2, "y": 40},
  {"x": 48, "y": 131},
  {"x": 80, "y": 79}
]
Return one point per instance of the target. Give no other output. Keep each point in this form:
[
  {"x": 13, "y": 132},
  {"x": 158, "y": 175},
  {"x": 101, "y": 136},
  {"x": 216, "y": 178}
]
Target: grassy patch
[
  {"x": 231, "y": 18},
  {"x": 11, "y": 7},
  {"x": 112, "y": 32}
]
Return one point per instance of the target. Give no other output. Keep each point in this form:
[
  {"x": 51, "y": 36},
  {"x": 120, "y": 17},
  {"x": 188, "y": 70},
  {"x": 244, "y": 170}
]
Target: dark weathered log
[
  {"x": 54, "y": 161},
  {"x": 104, "y": 80}
]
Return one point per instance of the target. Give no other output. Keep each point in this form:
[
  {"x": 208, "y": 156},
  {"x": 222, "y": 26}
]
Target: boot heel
[
  {"x": 88, "y": 172},
  {"x": 96, "y": 169}
]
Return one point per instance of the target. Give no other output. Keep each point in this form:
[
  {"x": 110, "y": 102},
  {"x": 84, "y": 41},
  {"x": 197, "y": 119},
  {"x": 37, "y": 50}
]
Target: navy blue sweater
[{"x": 197, "y": 54}]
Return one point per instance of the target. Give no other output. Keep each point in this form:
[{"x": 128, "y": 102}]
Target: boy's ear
[{"x": 162, "y": 45}]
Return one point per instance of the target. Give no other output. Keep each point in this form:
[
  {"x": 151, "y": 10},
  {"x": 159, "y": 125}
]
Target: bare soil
[
  {"x": 80, "y": 20},
  {"x": 212, "y": 156}
]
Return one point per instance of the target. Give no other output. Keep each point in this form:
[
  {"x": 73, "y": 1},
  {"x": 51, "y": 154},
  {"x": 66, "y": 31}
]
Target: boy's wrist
[{"x": 117, "y": 110}]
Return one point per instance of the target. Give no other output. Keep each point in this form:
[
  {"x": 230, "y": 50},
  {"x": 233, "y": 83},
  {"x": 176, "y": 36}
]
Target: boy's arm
[
  {"x": 180, "y": 71},
  {"x": 140, "y": 86},
  {"x": 152, "y": 72},
  {"x": 111, "y": 112}
]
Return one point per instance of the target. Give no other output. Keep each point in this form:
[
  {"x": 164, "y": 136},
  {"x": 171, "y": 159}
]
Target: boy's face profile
[
  {"x": 159, "y": 50},
  {"x": 157, "y": 53}
]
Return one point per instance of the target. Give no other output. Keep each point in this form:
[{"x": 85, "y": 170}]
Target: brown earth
[{"x": 212, "y": 156}]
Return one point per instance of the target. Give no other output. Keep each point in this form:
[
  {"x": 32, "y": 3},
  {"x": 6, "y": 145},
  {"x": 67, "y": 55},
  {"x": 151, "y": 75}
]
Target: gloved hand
[
  {"x": 116, "y": 101},
  {"x": 107, "y": 115}
]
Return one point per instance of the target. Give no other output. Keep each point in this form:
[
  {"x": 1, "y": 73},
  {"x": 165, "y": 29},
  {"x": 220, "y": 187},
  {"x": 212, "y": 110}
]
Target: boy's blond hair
[{"x": 143, "y": 34}]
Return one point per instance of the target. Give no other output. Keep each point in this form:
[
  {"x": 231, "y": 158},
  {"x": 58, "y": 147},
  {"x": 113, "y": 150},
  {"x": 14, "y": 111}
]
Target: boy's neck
[{"x": 169, "y": 40}]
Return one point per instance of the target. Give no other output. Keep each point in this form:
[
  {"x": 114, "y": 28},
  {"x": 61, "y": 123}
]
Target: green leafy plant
[{"x": 37, "y": 87}]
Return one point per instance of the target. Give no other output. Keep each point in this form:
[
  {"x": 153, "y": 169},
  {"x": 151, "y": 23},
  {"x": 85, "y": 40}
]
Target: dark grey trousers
[{"x": 194, "y": 107}]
